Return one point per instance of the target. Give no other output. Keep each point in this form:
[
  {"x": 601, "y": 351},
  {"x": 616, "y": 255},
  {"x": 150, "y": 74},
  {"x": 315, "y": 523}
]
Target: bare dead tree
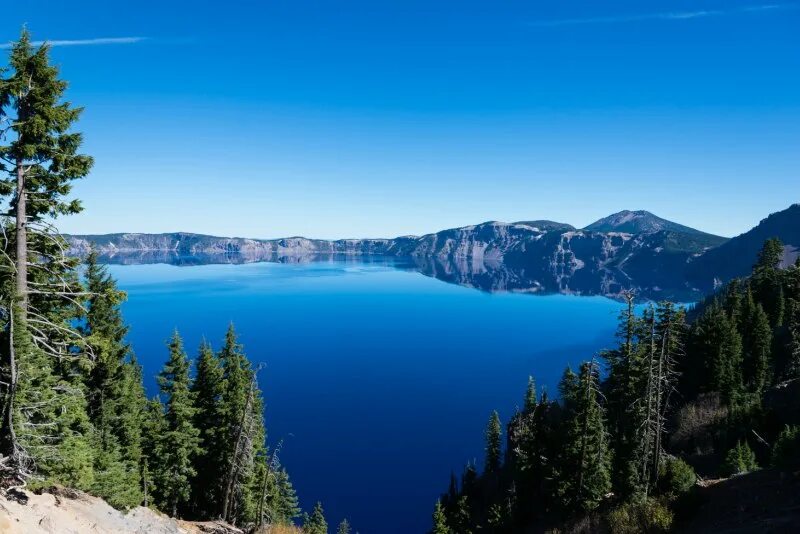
[{"x": 242, "y": 458}]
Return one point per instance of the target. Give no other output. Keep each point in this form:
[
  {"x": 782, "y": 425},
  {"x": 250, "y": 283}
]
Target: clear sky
[{"x": 382, "y": 118}]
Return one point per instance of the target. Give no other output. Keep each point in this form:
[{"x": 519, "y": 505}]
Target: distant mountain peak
[{"x": 638, "y": 222}]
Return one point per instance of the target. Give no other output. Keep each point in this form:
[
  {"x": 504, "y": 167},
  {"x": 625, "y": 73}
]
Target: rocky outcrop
[{"x": 64, "y": 511}]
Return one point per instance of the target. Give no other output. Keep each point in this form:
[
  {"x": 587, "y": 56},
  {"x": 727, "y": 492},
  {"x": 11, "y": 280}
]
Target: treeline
[
  {"x": 683, "y": 393},
  {"x": 198, "y": 450},
  {"x": 72, "y": 400}
]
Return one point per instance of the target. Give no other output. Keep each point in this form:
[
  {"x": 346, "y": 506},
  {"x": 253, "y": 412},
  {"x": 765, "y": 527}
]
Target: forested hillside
[
  {"x": 714, "y": 394},
  {"x": 74, "y": 409}
]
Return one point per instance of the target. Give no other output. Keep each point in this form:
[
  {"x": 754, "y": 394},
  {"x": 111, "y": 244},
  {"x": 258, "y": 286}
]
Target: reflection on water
[{"x": 483, "y": 274}]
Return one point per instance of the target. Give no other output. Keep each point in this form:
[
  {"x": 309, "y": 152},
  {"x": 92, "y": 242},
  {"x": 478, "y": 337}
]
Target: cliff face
[{"x": 494, "y": 256}]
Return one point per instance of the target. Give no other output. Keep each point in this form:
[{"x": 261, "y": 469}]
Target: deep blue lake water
[{"x": 379, "y": 380}]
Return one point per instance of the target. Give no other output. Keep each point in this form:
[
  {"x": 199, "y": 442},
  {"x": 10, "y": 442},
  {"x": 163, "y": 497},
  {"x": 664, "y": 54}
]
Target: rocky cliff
[{"x": 625, "y": 250}]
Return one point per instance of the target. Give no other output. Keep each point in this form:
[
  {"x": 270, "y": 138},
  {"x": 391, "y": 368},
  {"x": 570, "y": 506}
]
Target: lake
[{"x": 378, "y": 378}]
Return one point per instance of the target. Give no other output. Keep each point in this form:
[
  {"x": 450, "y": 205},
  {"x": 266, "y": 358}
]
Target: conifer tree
[
  {"x": 154, "y": 428},
  {"x": 114, "y": 391},
  {"x": 757, "y": 351},
  {"x": 767, "y": 282},
  {"x": 315, "y": 523},
  {"x": 530, "y": 395},
  {"x": 180, "y": 444},
  {"x": 584, "y": 464},
  {"x": 43, "y": 408},
  {"x": 41, "y": 159},
  {"x": 242, "y": 430},
  {"x": 626, "y": 413},
  {"x": 207, "y": 388},
  {"x": 493, "y": 444},
  {"x": 440, "y": 520},
  {"x": 344, "y": 527},
  {"x": 718, "y": 344}
]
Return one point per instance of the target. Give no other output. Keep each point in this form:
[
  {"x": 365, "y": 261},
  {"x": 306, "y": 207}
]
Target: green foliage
[
  {"x": 40, "y": 140},
  {"x": 50, "y": 417},
  {"x": 738, "y": 460},
  {"x": 344, "y": 527},
  {"x": 114, "y": 389},
  {"x": 207, "y": 389},
  {"x": 585, "y": 462},
  {"x": 493, "y": 443},
  {"x": 648, "y": 515},
  {"x": 180, "y": 443},
  {"x": 315, "y": 523},
  {"x": 786, "y": 451},
  {"x": 676, "y": 477},
  {"x": 439, "y": 520}
]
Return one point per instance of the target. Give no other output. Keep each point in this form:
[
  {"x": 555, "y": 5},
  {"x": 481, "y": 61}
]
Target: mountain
[
  {"x": 535, "y": 255},
  {"x": 627, "y": 250},
  {"x": 736, "y": 257},
  {"x": 638, "y": 222}
]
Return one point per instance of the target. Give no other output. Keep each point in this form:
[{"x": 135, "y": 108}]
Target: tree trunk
[
  {"x": 22, "y": 239},
  {"x": 226, "y": 502}
]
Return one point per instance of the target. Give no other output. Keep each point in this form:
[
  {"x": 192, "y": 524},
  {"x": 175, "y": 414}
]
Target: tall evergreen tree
[
  {"x": 41, "y": 159},
  {"x": 315, "y": 523},
  {"x": 767, "y": 282},
  {"x": 344, "y": 527},
  {"x": 493, "y": 444},
  {"x": 43, "y": 419},
  {"x": 207, "y": 389},
  {"x": 530, "y": 396},
  {"x": 154, "y": 428},
  {"x": 585, "y": 461},
  {"x": 440, "y": 520},
  {"x": 180, "y": 444},
  {"x": 114, "y": 391},
  {"x": 757, "y": 357}
]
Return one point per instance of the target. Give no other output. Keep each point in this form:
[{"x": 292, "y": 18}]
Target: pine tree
[
  {"x": 440, "y": 520},
  {"x": 740, "y": 459},
  {"x": 344, "y": 527},
  {"x": 114, "y": 391},
  {"x": 757, "y": 351},
  {"x": 180, "y": 444},
  {"x": 530, "y": 395},
  {"x": 315, "y": 523},
  {"x": 585, "y": 462},
  {"x": 242, "y": 430},
  {"x": 43, "y": 407},
  {"x": 627, "y": 372},
  {"x": 207, "y": 389},
  {"x": 767, "y": 281},
  {"x": 154, "y": 428},
  {"x": 42, "y": 157},
  {"x": 718, "y": 345},
  {"x": 493, "y": 444}
]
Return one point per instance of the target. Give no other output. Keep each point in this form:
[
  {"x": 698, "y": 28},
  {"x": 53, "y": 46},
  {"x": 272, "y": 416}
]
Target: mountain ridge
[{"x": 549, "y": 254}]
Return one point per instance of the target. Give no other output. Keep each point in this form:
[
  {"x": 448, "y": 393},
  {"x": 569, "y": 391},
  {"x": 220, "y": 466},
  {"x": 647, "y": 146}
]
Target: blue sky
[{"x": 355, "y": 119}]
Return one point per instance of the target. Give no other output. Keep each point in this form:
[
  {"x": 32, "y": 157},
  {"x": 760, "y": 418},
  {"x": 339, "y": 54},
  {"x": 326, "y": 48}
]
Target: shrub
[
  {"x": 676, "y": 477},
  {"x": 696, "y": 424},
  {"x": 740, "y": 459},
  {"x": 650, "y": 515},
  {"x": 786, "y": 452}
]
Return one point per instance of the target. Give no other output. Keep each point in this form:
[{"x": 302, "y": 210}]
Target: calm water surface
[{"x": 379, "y": 380}]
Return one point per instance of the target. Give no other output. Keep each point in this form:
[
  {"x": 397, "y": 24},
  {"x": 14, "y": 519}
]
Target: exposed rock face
[
  {"x": 627, "y": 250},
  {"x": 74, "y": 512}
]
